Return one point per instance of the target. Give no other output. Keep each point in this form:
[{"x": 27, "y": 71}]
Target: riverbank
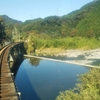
[
  {"x": 83, "y": 62},
  {"x": 87, "y": 58},
  {"x": 88, "y": 54}
]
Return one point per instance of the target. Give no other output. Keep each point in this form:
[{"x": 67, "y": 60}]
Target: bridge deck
[{"x": 7, "y": 85}]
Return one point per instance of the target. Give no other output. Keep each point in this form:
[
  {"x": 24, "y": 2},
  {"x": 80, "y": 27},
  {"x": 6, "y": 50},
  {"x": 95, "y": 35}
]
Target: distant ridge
[
  {"x": 84, "y": 22},
  {"x": 10, "y": 20}
]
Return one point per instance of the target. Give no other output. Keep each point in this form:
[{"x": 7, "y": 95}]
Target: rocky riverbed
[
  {"x": 88, "y": 54},
  {"x": 90, "y": 57},
  {"x": 82, "y": 57}
]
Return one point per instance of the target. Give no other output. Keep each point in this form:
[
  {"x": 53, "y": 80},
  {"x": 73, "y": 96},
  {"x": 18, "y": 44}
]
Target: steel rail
[{"x": 8, "y": 90}]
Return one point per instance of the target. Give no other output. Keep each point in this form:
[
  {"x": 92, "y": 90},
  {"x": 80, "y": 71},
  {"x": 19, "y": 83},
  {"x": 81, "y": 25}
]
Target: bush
[{"x": 87, "y": 89}]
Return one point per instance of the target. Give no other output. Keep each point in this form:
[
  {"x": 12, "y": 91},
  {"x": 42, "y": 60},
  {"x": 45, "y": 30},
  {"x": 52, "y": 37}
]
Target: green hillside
[
  {"x": 83, "y": 22},
  {"x": 9, "y": 24},
  {"x": 80, "y": 23},
  {"x": 10, "y": 20},
  {"x": 90, "y": 25},
  {"x": 79, "y": 29}
]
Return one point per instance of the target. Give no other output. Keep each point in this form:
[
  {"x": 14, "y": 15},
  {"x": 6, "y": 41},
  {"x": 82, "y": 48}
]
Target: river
[{"x": 39, "y": 79}]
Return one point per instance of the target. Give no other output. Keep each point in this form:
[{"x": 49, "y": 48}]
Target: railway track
[{"x": 8, "y": 90}]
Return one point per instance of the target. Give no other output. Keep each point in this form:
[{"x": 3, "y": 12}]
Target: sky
[{"x": 31, "y": 9}]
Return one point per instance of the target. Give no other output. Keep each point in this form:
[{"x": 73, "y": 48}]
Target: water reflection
[
  {"x": 34, "y": 61},
  {"x": 24, "y": 85},
  {"x": 45, "y": 81},
  {"x": 96, "y": 62},
  {"x": 80, "y": 57}
]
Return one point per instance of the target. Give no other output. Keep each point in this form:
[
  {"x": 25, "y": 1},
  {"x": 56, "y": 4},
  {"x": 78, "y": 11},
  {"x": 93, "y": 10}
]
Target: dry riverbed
[{"x": 89, "y": 56}]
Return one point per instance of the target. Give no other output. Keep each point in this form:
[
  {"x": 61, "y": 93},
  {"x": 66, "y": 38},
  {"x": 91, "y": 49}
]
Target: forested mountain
[
  {"x": 10, "y": 23},
  {"x": 2, "y": 32},
  {"x": 10, "y": 20},
  {"x": 84, "y": 22}
]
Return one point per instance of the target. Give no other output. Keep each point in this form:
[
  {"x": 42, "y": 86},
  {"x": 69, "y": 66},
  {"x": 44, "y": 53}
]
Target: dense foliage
[
  {"x": 80, "y": 23},
  {"x": 69, "y": 43},
  {"x": 84, "y": 22},
  {"x": 2, "y": 32},
  {"x": 81, "y": 43},
  {"x": 68, "y": 32},
  {"x": 87, "y": 89},
  {"x": 10, "y": 25}
]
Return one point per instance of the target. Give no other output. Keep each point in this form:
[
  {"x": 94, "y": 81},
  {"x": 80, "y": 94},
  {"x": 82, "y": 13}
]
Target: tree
[
  {"x": 87, "y": 89},
  {"x": 32, "y": 43},
  {"x": 2, "y": 32}
]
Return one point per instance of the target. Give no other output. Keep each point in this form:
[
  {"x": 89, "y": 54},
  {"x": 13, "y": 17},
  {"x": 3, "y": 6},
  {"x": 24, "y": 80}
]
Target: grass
[
  {"x": 52, "y": 46},
  {"x": 69, "y": 43},
  {"x": 49, "y": 51}
]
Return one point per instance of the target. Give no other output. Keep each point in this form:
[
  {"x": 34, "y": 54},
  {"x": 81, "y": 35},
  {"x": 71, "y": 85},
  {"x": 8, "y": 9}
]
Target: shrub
[{"x": 87, "y": 89}]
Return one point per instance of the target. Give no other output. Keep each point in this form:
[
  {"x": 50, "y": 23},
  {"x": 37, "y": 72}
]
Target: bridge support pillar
[{"x": 11, "y": 58}]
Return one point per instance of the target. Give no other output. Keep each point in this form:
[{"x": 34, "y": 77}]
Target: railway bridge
[{"x": 9, "y": 55}]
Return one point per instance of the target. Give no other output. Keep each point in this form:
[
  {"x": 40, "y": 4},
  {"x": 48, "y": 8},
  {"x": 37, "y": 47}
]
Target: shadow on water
[
  {"x": 24, "y": 85},
  {"x": 22, "y": 81},
  {"x": 96, "y": 62},
  {"x": 16, "y": 64}
]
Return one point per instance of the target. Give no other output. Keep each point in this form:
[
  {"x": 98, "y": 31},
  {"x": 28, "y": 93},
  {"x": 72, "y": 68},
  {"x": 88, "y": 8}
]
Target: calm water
[{"x": 43, "y": 79}]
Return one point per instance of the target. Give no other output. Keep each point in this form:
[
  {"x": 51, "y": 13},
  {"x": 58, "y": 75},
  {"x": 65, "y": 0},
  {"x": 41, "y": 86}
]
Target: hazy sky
[{"x": 31, "y": 9}]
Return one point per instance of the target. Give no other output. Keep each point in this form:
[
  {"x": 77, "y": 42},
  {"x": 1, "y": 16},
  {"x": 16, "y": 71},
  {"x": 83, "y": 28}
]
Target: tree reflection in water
[{"x": 34, "y": 61}]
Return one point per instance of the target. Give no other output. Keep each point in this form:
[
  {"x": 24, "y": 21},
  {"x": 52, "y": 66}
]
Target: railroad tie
[{"x": 9, "y": 98}]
